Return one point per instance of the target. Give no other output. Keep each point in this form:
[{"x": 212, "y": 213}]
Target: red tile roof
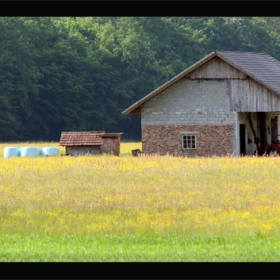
[
  {"x": 84, "y": 138},
  {"x": 81, "y": 138}
]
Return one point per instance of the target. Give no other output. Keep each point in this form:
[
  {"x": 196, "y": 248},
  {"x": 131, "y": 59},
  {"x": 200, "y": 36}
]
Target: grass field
[{"x": 147, "y": 208}]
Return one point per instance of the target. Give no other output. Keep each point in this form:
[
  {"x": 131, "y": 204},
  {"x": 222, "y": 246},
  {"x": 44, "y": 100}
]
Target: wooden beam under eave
[{"x": 136, "y": 111}]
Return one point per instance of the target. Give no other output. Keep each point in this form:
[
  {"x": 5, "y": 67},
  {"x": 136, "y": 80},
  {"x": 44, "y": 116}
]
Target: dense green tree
[
  {"x": 18, "y": 76},
  {"x": 80, "y": 73}
]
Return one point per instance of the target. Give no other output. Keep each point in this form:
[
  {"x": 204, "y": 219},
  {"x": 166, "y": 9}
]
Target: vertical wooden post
[{"x": 254, "y": 133}]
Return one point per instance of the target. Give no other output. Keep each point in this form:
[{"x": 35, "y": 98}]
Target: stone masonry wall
[
  {"x": 167, "y": 139},
  {"x": 202, "y": 105},
  {"x": 190, "y": 102}
]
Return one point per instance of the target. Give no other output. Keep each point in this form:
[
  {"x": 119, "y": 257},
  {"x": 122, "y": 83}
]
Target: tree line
[{"x": 79, "y": 73}]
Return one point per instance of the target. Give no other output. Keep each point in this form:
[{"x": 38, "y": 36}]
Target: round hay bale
[
  {"x": 11, "y": 152},
  {"x": 50, "y": 151},
  {"x": 30, "y": 151}
]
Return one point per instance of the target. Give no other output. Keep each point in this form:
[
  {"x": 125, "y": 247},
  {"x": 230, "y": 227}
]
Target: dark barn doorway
[
  {"x": 263, "y": 128},
  {"x": 242, "y": 139}
]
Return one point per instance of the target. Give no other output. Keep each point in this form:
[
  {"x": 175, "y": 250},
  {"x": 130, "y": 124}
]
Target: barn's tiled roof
[
  {"x": 261, "y": 67},
  {"x": 81, "y": 138}
]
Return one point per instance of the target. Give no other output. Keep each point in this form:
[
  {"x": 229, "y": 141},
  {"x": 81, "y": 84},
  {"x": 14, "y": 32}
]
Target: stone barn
[
  {"x": 79, "y": 143},
  {"x": 226, "y": 103}
]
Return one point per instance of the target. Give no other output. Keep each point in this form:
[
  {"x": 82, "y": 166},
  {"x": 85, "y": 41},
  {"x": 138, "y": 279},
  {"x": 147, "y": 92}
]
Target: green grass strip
[{"x": 110, "y": 248}]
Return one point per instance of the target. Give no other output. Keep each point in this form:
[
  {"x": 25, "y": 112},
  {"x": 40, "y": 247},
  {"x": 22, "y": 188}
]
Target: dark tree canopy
[{"x": 71, "y": 73}]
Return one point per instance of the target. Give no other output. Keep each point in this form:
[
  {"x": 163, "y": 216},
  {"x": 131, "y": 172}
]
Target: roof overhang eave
[
  {"x": 168, "y": 84},
  {"x": 141, "y": 101}
]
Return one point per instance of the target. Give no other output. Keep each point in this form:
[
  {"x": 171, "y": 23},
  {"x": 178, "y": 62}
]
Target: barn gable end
[
  {"x": 180, "y": 108},
  {"x": 216, "y": 68}
]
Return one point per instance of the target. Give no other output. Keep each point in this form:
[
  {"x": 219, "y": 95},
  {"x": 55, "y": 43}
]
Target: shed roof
[
  {"x": 81, "y": 138},
  {"x": 85, "y": 138},
  {"x": 261, "y": 67}
]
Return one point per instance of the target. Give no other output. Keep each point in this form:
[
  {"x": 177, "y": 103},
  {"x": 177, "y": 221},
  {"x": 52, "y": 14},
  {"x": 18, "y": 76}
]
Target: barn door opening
[
  {"x": 242, "y": 139},
  {"x": 263, "y": 128}
]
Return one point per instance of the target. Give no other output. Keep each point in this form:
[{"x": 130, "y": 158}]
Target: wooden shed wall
[
  {"x": 216, "y": 68},
  {"x": 82, "y": 150},
  {"x": 250, "y": 96},
  {"x": 111, "y": 145}
]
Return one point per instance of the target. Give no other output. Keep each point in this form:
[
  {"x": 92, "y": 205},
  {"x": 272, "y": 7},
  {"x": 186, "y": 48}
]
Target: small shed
[{"x": 79, "y": 143}]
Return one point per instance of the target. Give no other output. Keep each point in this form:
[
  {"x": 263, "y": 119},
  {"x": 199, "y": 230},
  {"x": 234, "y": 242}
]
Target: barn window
[{"x": 189, "y": 142}]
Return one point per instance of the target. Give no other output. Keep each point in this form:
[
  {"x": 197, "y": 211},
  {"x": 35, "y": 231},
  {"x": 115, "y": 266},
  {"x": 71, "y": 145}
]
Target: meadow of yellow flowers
[{"x": 140, "y": 195}]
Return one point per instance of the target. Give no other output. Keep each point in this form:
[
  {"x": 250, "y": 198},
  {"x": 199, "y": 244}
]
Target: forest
[{"x": 79, "y": 73}]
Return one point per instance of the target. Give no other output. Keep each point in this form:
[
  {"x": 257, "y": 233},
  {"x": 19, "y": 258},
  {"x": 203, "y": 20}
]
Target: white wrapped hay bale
[
  {"x": 30, "y": 151},
  {"x": 50, "y": 151},
  {"x": 11, "y": 152}
]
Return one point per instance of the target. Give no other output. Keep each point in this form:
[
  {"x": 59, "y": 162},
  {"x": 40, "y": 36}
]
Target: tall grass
[{"x": 152, "y": 197}]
